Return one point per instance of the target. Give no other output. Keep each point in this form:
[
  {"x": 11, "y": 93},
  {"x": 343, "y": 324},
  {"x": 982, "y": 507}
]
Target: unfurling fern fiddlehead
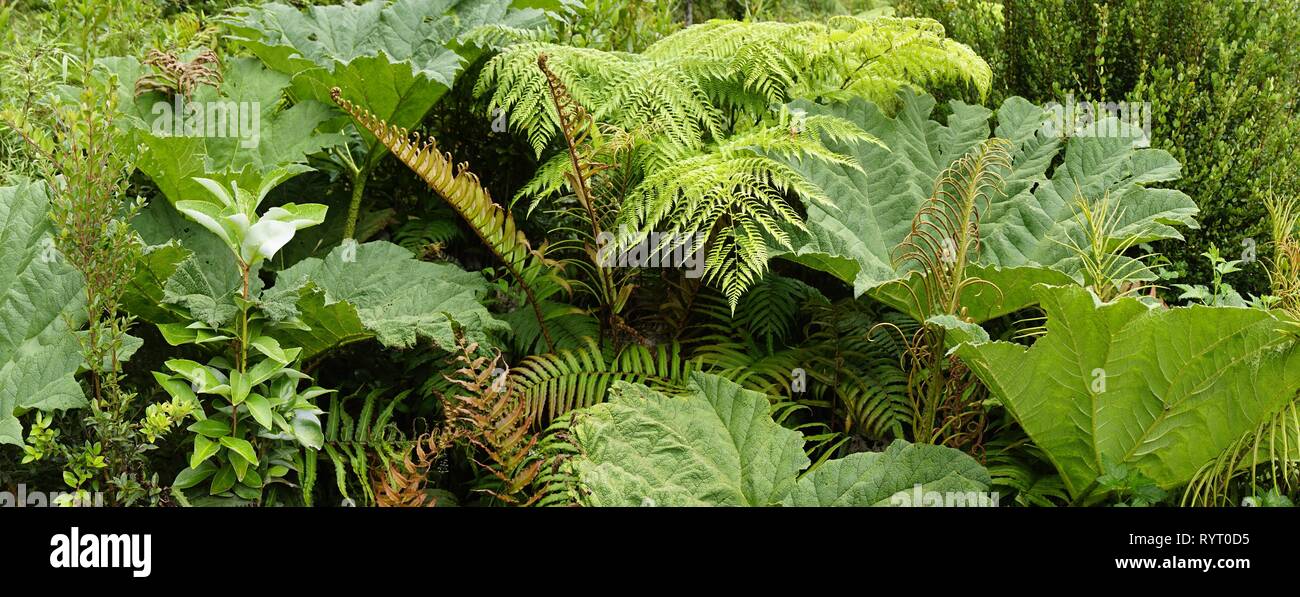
[
  {"x": 945, "y": 239},
  {"x": 494, "y": 225},
  {"x": 945, "y": 232}
]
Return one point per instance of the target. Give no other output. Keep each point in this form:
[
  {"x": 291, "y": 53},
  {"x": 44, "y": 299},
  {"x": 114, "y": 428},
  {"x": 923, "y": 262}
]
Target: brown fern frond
[
  {"x": 171, "y": 75},
  {"x": 404, "y": 486},
  {"x": 576, "y": 125},
  {"x": 493, "y": 224},
  {"x": 493, "y": 416}
]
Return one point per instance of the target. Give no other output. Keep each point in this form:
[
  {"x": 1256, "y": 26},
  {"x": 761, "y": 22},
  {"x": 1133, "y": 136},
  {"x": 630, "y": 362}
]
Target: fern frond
[
  {"x": 1020, "y": 469},
  {"x": 521, "y": 90},
  {"x": 497, "y": 36},
  {"x": 402, "y": 484},
  {"x": 1284, "y": 265},
  {"x": 771, "y": 307},
  {"x": 705, "y": 96},
  {"x": 361, "y": 446},
  {"x": 857, "y": 366},
  {"x": 423, "y": 236},
  {"x": 555, "y": 384},
  {"x": 489, "y": 412},
  {"x": 494, "y": 225},
  {"x": 687, "y": 81},
  {"x": 557, "y": 482},
  {"x": 944, "y": 237},
  {"x": 738, "y": 193}
]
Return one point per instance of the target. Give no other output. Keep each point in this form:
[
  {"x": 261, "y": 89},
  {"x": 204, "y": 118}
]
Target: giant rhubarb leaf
[
  {"x": 718, "y": 445},
  {"x": 1162, "y": 390},
  {"x": 877, "y": 478},
  {"x": 396, "y": 58},
  {"x": 1023, "y": 231},
  {"x": 379, "y": 290},
  {"x": 358, "y": 292},
  {"x": 40, "y": 307}
]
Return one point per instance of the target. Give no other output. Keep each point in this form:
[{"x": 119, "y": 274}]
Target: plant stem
[
  {"x": 354, "y": 207},
  {"x": 1087, "y": 491},
  {"x": 243, "y": 346}
]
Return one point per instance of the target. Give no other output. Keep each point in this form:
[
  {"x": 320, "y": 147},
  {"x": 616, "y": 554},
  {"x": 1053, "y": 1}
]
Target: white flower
[
  {"x": 262, "y": 239},
  {"x": 237, "y": 224}
]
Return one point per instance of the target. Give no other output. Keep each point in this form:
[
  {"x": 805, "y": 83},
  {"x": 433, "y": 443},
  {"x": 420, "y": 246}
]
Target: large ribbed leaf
[
  {"x": 383, "y": 292},
  {"x": 717, "y": 446},
  {"x": 399, "y": 58},
  {"x": 40, "y": 308},
  {"x": 1162, "y": 390},
  {"x": 873, "y": 478},
  {"x": 1024, "y": 227}
]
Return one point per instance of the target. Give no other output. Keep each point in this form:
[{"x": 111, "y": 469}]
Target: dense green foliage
[
  {"x": 1219, "y": 75},
  {"x": 533, "y": 252}
]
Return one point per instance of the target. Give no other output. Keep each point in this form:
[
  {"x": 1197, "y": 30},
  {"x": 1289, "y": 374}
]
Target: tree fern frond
[
  {"x": 687, "y": 79},
  {"x": 706, "y": 95},
  {"x": 496, "y": 36},
  {"x": 739, "y": 194}
]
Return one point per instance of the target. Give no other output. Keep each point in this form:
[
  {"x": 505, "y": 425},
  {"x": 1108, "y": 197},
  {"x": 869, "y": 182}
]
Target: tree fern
[
  {"x": 703, "y": 97},
  {"x": 737, "y": 192},
  {"x": 688, "y": 82},
  {"x": 578, "y": 129}
]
